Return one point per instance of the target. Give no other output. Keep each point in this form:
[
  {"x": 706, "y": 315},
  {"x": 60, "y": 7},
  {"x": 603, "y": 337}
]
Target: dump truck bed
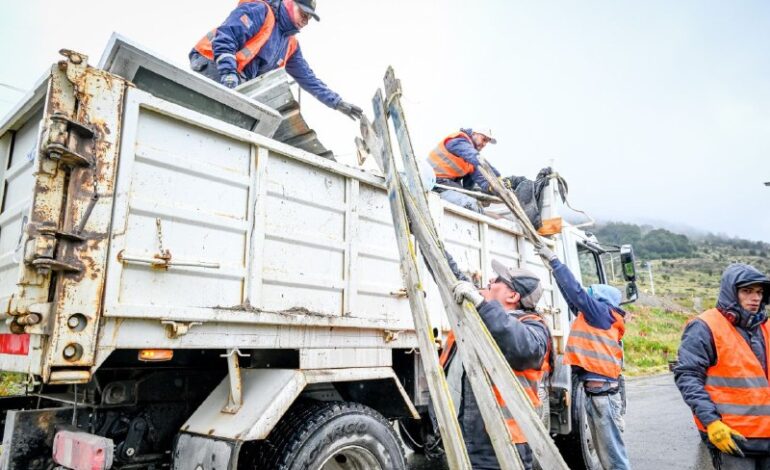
[{"x": 188, "y": 231}]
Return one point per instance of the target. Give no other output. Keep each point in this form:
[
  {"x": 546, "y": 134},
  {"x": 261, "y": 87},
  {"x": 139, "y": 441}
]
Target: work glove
[
  {"x": 546, "y": 253},
  {"x": 463, "y": 290},
  {"x": 723, "y": 437},
  {"x": 230, "y": 80},
  {"x": 506, "y": 182},
  {"x": 350, "y": 110}
]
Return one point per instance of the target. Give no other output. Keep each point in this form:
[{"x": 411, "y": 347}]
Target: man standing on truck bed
[
  {"x": 507, "y": 307},
  {"x": 455, "y": 160},
  {"x": 260, "y": 36},
  {"x": 595, "y": 351},
  {"x": 722, "y": 371}
]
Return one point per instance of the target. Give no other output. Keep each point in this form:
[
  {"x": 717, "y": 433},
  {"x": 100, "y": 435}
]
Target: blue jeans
[
  {"x": 605, "y": 419},
  {"x": 462, "y": 200}
]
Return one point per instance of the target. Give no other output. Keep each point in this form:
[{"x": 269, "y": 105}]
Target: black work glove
[
  {"x": 350, "y": 110},
  {"x": 230, "y": 80}
]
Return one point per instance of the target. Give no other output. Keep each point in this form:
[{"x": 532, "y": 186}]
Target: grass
[
  {"x": 11, "y": 384},
  {"x": 652, "y": 339},
  {"x": 684, "y": 288}
]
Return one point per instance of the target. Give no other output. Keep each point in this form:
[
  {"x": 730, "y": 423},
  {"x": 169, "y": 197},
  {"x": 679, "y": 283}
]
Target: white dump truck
[{"x": 189, "y": 280}]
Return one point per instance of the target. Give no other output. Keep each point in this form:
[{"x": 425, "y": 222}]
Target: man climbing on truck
[
  {"x": 455, "y": 160},
  {"x": 507, "y": 307},
  {"x": 260, "y": 36},
  {"x": 595, "y": 352}
]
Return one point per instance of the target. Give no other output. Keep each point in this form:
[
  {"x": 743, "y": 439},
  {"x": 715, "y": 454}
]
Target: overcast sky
[{"x": 654, "y": 111}]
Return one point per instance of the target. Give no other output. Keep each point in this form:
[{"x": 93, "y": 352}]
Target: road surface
[{"x": 660, "y": 433}]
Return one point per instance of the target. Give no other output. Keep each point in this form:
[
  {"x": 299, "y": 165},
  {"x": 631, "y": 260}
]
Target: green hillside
[{"x": 686, "y": 272}]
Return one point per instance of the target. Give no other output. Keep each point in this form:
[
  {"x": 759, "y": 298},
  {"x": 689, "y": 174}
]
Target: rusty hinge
[
  {"x": 43, "y": 255},
  {"x": 70, "y": 142}
]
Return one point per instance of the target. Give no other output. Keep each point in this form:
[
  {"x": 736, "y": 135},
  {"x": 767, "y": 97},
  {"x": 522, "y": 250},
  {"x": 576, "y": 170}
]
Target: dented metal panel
[
  {"x": 83, "y": 239},
  {"x": 275, "y": 231}
]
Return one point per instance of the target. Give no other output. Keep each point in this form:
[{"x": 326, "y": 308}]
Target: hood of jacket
[
  {"x": 609, "y": 295},
  {"x": 282, "y": 18},
  {"x": 740, "y": 275}
]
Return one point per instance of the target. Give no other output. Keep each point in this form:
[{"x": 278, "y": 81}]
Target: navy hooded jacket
[
  {"x": 697, "y": 351},
  {"x": 524, "y": 345},
  {"x": 243, "y": 23},
  {"x": 596, "y": 311}
]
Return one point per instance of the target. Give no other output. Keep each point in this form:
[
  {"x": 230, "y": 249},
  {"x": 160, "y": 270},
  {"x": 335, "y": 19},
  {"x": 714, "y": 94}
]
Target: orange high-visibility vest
[
  {"x": 253, "y": 45},
  {"x": 529, "y": 379},
  {"x": 737, "y": 384},
  {"x": 446, "y": 164},
  {"x": 596, "y": 350}
]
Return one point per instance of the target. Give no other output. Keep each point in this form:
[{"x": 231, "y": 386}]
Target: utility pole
[{"x": 652, "y": 282}]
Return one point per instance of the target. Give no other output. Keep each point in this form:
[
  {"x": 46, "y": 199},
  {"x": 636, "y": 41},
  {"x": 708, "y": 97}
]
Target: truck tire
[
  {"x": 577, "y": 448},
  {"x": 332, "y": 436}
]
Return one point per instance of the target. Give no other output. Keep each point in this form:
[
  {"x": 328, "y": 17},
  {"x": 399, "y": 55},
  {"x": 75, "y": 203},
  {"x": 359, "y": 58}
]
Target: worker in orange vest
[
  {"x": 507, "y": 307},
  {"x": 260, "y": 36},
  {"x": 595, "y": 352},
  {"x": 455, "y": 160},
  {"x": 722, "y": 371}
]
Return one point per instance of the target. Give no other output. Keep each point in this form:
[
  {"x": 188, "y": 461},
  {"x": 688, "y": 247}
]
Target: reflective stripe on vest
[
  {"x": 446, "y": 164},
  {"x": 737, "y": 384},
  {"x": 596, "y": 350},
  {"x": 252, "y": 47},
  {"x": 530, "y": 380}
]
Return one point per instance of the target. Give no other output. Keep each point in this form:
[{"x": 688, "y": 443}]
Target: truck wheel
[
  {"x": 332, "y": 436},
  {"x": 578, "y": 447}
]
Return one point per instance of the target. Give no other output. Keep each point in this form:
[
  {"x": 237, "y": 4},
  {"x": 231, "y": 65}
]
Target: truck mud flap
[
  {"x": 205, "y": 453},
  {"x": 28, "y": 437}
]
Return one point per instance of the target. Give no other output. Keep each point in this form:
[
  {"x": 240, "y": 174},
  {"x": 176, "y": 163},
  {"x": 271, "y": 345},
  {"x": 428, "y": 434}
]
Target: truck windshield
[{"x": 589, "y": 268}]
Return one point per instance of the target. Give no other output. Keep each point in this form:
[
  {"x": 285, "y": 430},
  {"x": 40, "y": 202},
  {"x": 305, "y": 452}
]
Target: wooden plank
[
  {"x": 465, "y": 320},
  {"x": 480, "y": 340},
  {"x": 378, "y": 141},
  {"x": 512, "y": 202},
  {"x": 414, "y": 192},
  {"x": 466, "y": 346}
]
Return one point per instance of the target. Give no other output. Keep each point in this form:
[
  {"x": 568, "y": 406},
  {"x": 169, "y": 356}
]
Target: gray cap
[
  {"x": 308, "y": 6},
  {"x": 523, "y": 281}
]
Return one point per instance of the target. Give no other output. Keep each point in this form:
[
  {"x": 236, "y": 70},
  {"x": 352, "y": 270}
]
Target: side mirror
[
  {"x": 628, "y": 263},
  {"x": 631, "y": 293}
]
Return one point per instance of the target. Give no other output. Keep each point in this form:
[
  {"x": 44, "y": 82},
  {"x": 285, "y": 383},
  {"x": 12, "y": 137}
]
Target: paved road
[{"x": 660, "y": 433}]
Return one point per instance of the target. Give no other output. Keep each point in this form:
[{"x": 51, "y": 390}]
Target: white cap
[{"x": 486, "y": 131}]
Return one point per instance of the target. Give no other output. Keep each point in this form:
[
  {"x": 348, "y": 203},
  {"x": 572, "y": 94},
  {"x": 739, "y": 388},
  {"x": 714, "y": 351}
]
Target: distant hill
[
  {"x": 651, "y": 243},
  {"x": 686, "y": 272}
]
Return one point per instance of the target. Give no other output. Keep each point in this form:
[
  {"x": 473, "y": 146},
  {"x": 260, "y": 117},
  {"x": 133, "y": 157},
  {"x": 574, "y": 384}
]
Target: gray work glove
[
  {"x": 463, "y": 290},
  {"x": 546, "y": 253},
  {"x": 230, "y": 80},
  {"x": 350, "y": 110}
]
